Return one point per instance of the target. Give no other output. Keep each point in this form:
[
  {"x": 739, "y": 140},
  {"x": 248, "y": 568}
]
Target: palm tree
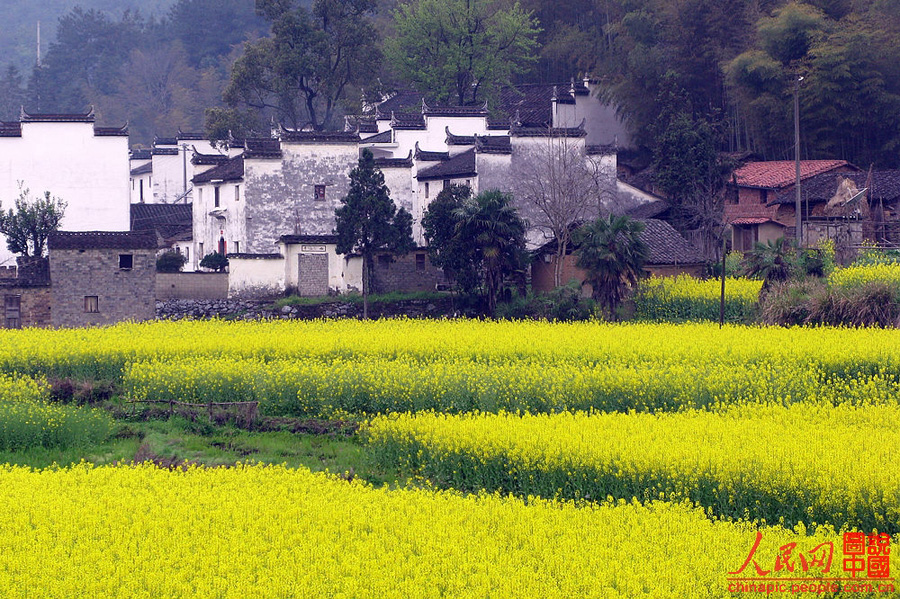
[
  {"x": 771, "y": 261},
  {"x": 492, "y": 225},
  {"x": 613, "y": 254}
]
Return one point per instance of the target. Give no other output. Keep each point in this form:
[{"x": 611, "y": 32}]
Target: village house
[
  {"x": 75, "y": 160},
  {"x": 101, "y": 277},
  {"x": 753, "y": 209}
]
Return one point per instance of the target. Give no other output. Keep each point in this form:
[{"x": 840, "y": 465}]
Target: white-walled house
[{"x": 75, "y": 160}]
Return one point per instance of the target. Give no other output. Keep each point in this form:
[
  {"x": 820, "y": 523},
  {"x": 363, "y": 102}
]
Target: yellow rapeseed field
[
  {"x": 274, "y": 532},
  {"x": 810, "y": 463}
]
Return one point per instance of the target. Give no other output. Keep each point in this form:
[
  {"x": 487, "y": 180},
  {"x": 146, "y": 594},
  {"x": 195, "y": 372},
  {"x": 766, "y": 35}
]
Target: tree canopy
[
  {"x": 367, "y": 221},
  {"x": 29, "y": 224},
  {"x": 461, "y": 51}
]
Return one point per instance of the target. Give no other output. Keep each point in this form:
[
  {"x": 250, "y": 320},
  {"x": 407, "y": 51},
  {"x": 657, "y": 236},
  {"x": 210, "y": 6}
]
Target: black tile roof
[
  {"x": 461, "y": 165},
  {"x": 426, "y": 156},
  {"x": 199, "y": 159},
  {"x": 601, "y": 150},
  {"x": 498, "y": 123},
  {"x": 230, "y": 170},
  {"x": 460, "y": 111},
  {"x": 140, "y": 154},
  {"x": 26, "y": 117},
  {"x": 102, "y": 240},
  {"x": 395, "y": 162},
  {"x": 245, "y": 256},
  {"x": 262, "y": 147},
  {"x": 149, "y": 216},
  {"x": 493, "y": 144},
  {"x": 142, "y": 170},
  {"x": 111, "y": 131},
  {"x": 649, "y": 210},
  {"x": 385, "y": 137},
  {"x": 459, "y": 140},
  {"x": 10, "y": 129},
  {"x": 339, "y": 137},
  {"x": 547, "y": 131},
  {"x": 666, "y": 245},
  {"x": 401, "y": 101},
  {"x": 185, "y": 136},
  {"x": 401, "y": 120},
  {"x": 530, "y": 104},
  {"x": 164, "y": 151},
  {"x": 821, "y": 188},
  {"x": 165, "y": 141}
]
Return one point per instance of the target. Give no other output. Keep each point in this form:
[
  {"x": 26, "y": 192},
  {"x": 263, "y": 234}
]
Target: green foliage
[
  {"x": 447, "y": 250},
  {"x": 461, "y": 51},
  {"x": 28, "y": 226},
  {"x": 613, "y": 254},
  {"x": 789, "y": 35},
  {"x": 490, "y": 224},
  {"x": 870, "y": 255},
  {"x": 170, "y": 261},
  {"x": 214, "y": 261},
  {"x": 563, "y": 304},
  {"x": 771, "y": 261},
  {"x": 368, "y": 222},
  {"x": 733, "y": 262},
  {"x": 12, "y": 93},
  {"x": 871, "y": 303},
  {"x": 304, "y": 71},
  {"x": 355, "y": 298}
]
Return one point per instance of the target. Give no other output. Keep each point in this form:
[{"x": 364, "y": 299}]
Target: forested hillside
[{"x": 728, "y": 69}]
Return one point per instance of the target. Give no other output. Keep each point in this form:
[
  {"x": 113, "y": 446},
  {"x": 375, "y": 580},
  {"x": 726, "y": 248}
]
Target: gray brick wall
[
  {"x": 122, "y": 294},
  {"x": 412, "y": 272},
  {"x": 191, "y": 285},
  {"x": 313, "y": 275}
]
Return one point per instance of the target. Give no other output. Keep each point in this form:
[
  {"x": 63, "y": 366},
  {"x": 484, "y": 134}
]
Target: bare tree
[{"x": 566, "y": 186}]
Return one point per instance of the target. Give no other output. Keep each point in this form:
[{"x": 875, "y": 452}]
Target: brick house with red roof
[{"x": 751, "y": 208}]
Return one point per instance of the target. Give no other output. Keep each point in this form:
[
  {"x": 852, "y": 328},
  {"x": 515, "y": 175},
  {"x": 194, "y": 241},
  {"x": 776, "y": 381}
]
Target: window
[
  {"x": 187, "y": 253},
  {"x": 216, "y": 197},
  {"x": 142, "y": 191},
  {"x": 126, "y": 261},
  {"x": 13, "y": 304},
  {"x": 237, "y": 193},
  {"x": 447, "y": 183},
  {"x": 426, "y": 189},
  {"x": 320, "y": 193},
  {"x": 237, "y": 247},
  {"x": 468, "y": 183},
  {"x": 200, "y": 253},
  {"x": 199, "y": 194},
  {"x": 91, "y": 304},
  {"x": 420, "y": 261}
]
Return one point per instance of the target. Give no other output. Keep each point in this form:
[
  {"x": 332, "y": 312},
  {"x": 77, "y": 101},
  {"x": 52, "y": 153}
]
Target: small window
[
  {"x": 13, "y": 305},
  {"x": 468, "y": 183},
  {"x": 426, "y": 189},
  {"x": 420, "y": 261},
  {"x": 237, "y": 193},
  {"x": 200, "y": 253},
  {"x": 447, "y": 183},
  {"x": 216, "y": 197},
  {"x": 91, "y": 304},
  {"x": 237, "y": 247},
  {"x": 320, "y": 193},
  {"x": 187, "y": 253},
  {"x": 126, "y": 261},
  {"x": 142, "y": 191},
  {"x": 199, "y": 194}
]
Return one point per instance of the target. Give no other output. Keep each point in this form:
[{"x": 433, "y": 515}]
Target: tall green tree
[
  {"x": 12, "y": 93},
  {"x": 367, "y": 221},
  {"x": 448, "y": 251},
  {"x": 28, "y": 225},
  {"x": 612, "y": 253},
  {"x": 461, "y": 51},
  {"x": 491, "y": 225},
  {"x": 305, "y": 70}
]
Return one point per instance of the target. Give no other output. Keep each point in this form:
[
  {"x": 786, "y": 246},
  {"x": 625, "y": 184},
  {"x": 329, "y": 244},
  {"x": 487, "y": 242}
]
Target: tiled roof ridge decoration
[
  {"x": 164, "y": 141},
  {"x": 165, "y": 151},
  {"x": 262, "y": 147},
  {"x": 188, "y": 136},
  {"x": 493, "y": 144},
  {"x": 294, "y": 239},
  {"x": 144, "y": 169},
  {"x": 88, "y": 240},
  {"x": 385, "y": 137},
  {"x": 428, "y": 156},
  {"x": 395, "y": 162},
  {"x": 295, "y": 136},
  {"x": 140, "y": 154},
  {"x": 200, "y": 159},
  {"x": 458, "y": 140},
  {"x": 454, "y": 110},
  {"x": 111, "y": 131},
  {"x": 402, "y": 120},
  {"x": 775, "y": 174},
  {"x": 520, "y": 131},
  {"x": 602, "y": 149},
  {"x": 28, "y": 117}
]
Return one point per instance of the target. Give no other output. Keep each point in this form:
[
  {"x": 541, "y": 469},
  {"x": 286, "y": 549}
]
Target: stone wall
[
  {"x": 313, "y": 275},
  {"x": 34, "y": 305},
  {"x": 257, "y": 309},
  {"x": 191, "y": 285},
  {"x": 122, "y": 294}
]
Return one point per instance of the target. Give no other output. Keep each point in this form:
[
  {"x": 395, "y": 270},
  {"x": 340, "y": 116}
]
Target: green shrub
[
  {"x": 214, "y": 261},
  {"x": 561, "y": 304},
  {"x": 170, "y": 261}
]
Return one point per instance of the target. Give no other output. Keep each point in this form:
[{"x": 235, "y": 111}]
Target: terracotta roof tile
[{"x": 776, "y": 174}]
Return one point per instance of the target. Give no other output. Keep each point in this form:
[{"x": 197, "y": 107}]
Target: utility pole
[{"x": 798, "y": 221}]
